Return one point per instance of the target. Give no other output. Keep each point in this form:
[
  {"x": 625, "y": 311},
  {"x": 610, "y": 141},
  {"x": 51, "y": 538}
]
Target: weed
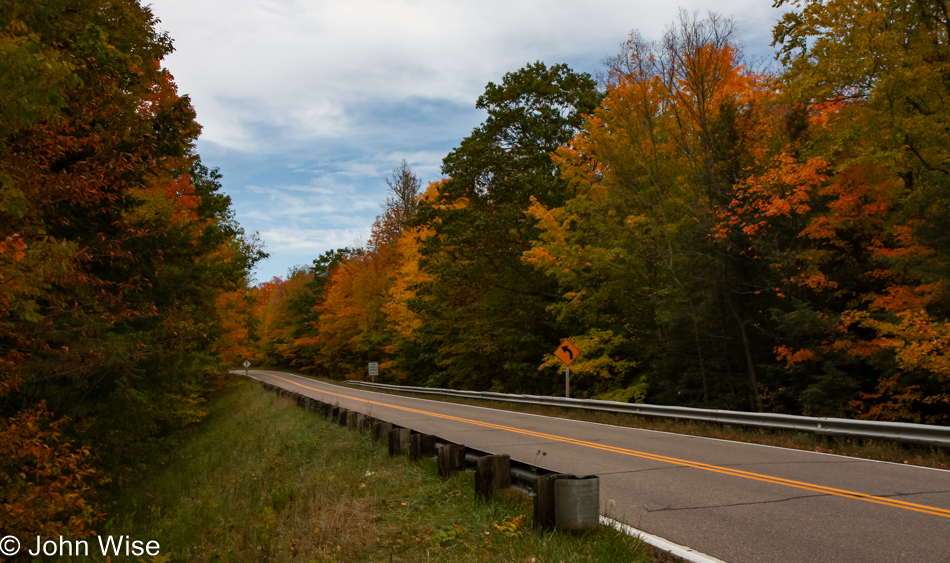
[
  {"x": 511, "y": 527},
  {"x": 446, "y": 535},
  {"x": 262, "y": 480}
]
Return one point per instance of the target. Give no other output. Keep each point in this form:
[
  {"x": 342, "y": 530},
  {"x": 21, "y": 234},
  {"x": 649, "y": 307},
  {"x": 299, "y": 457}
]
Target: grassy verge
[
  {"x": 924, "y": 456},
  {"x": 262, "y": 480}
]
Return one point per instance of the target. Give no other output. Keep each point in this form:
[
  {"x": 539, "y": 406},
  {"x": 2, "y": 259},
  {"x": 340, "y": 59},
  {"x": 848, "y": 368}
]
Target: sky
[{"x": 307, "y": 106}]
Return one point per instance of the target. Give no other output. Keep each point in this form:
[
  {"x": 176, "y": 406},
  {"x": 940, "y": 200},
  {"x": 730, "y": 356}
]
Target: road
[{"x": 741, "y": 503}]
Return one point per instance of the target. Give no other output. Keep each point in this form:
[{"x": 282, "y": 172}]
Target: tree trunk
[{"x": 756, "y": 399}]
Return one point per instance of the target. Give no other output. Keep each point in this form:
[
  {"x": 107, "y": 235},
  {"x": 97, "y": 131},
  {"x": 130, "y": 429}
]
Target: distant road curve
[{"x": 741, "y": 503}]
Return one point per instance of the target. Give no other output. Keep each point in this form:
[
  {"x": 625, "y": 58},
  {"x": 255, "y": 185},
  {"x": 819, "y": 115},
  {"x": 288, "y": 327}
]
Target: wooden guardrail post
[
  {"x": 341, "y": 417},
  {"x": 368, "y": 422},
  {"x": 492, "y": 472},
  {"x": 351, "y": 420},
  {"x": 398, "y": 441},
  {"x": 544, "y": 515},
  {"x": 451, "y": 458},
  {"x": 420, "y": 446},
  {"x": 381, "y": 429}
]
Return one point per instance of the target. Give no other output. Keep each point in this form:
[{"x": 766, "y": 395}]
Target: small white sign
[
  {"x": 247, "y": 364},
  {"x": 374, "y": 369}
]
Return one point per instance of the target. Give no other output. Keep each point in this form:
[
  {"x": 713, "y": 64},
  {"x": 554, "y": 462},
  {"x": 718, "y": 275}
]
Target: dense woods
[
  {"x": 706, "y": 232},
  {"x": 122, "y": 269}
]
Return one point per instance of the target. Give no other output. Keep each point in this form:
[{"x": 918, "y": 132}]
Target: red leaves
[
  {"x": 793, "y": 356},
  {"x": 105, "y": 266},
  {"x": 14, "y": 247},
  {"x": 785, "y": 189},
  {"x": 45, "y": 482}
]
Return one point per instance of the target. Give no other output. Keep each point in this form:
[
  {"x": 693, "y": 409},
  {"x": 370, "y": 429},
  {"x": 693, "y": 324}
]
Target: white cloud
[
  {"x": 423, "y": 163},
  {"x": 293, "y": 247},
  {"x": 304, "y": 67},
  {"x": 308, "y": 105},
  {"x": 316, "y": 203},
  {"x": 314, "y": 240}
]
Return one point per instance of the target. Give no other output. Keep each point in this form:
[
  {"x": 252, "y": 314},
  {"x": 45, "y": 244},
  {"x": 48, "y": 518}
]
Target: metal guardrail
[
  {"x": 925, "y": 434},
  {"x": 577, "y": 508},
  {"x": 523, "y": 474}
]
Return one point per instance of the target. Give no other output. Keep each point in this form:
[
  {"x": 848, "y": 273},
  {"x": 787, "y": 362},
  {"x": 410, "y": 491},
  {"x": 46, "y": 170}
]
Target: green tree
[{"x": 485, "y": 316}]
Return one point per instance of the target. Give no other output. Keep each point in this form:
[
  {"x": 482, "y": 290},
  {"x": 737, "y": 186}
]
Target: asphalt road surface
[{"x": 741, "y": 503}]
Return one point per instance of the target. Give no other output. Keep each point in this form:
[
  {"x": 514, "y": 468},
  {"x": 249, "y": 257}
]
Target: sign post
[
  {"x": 247, "y": 364},
  {"x": 567, "y": 353},
  {"x": 567, "y": 382},
  {"x": 373, "y": 371}
]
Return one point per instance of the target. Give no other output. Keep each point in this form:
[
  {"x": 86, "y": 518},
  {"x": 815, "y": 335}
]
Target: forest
[
  {"x": 706, "y": 230},
  {"x": 120, "y": 261}
]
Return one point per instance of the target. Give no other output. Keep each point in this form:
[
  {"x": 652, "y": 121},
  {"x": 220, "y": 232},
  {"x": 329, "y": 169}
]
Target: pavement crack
[
  {"x": 632, "y": 471},
  {"x": 898, "y": 495},
  {"x": 761, "y": 502}
]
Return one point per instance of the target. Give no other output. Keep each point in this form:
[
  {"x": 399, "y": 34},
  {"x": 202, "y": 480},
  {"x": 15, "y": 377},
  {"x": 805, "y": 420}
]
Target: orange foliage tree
[
  {"x": 114, "y": 244},
  {"x": 352, "y": 328},
  {"x": 850, "y": 216},
  {"x": 657, "y": 301}
]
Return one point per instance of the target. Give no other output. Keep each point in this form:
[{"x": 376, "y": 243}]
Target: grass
[
  {"x": 263, "y": 480},
  {"x": 925, "y": 456}
]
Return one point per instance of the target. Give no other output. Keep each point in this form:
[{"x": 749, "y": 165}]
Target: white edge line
[
  {"x": 676, "y": 549},
  {"x": 238, "y": 372},
  {"x": 681, "y": 551}
]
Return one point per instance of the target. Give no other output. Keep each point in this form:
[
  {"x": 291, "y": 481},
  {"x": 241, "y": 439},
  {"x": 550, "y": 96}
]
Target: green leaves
[
  {"x": 507, "y": 159},
  {"x": 484, "y": 310},
  {"x": 112, "y": 256}
]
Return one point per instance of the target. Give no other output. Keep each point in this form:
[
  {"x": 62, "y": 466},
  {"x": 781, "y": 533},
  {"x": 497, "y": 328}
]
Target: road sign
[
  {"x": 374, "y": 368},
  {"x": 247, "y": 364},
  {"x": 567, "y": 353}
]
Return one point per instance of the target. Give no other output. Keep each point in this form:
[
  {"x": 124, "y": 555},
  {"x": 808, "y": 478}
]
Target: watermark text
[{"x": 107, "y": 546}]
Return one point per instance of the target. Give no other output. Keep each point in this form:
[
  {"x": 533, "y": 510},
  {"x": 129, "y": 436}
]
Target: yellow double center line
[{"x": 924, "y": 509}]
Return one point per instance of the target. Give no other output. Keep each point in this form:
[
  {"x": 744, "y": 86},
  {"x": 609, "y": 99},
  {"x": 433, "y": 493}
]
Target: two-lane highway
[{"x": 742, "y": 503}]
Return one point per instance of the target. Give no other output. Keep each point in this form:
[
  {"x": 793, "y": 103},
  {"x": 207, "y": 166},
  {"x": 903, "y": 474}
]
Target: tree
[
  {"x": 115, "y": 243},
  {"x": 403, "y": 197},
  {"x": 485, "y": 311},
  {"x": 630, "y": 251},
  {"x": 873, "y": 80},
  {"x": 352, "y": 328}
]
